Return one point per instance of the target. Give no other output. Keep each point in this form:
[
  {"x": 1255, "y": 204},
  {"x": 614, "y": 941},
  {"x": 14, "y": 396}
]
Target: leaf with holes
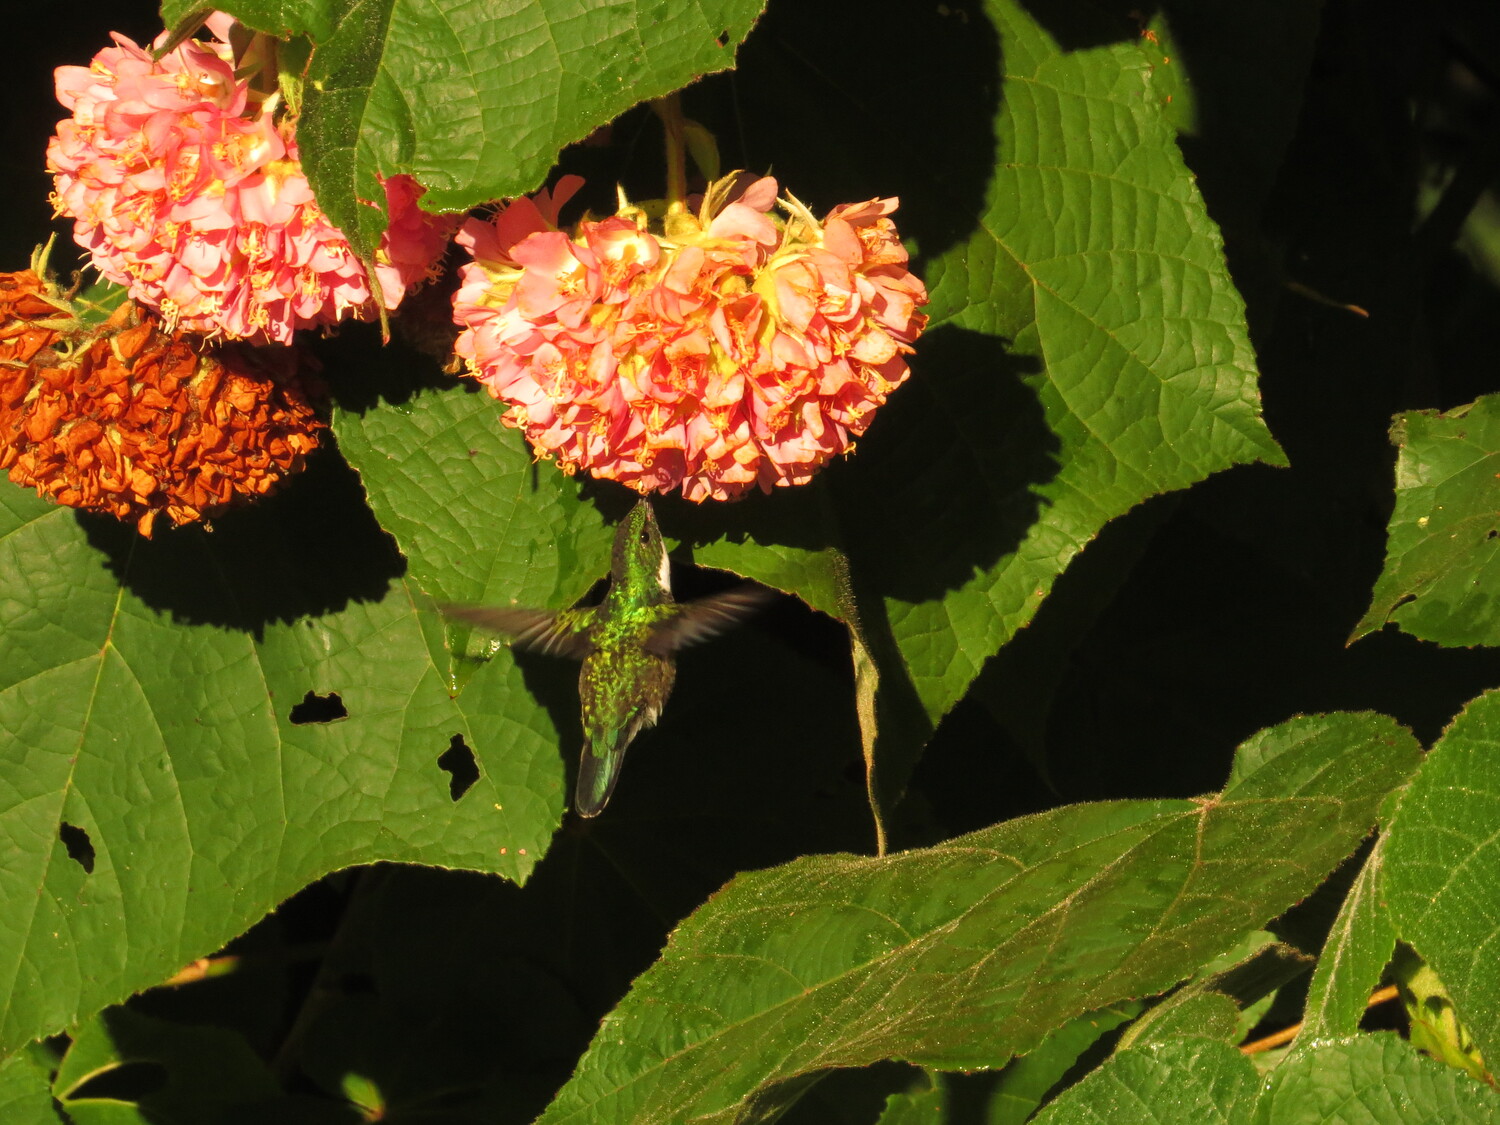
[
  {"x": 476, "y": 104},
  {"x": 459, "y": 947},
  {"x": 1442, "y": 558},
  {"x": 965, "y": 953},
  {"x": 196, "y": 726}
]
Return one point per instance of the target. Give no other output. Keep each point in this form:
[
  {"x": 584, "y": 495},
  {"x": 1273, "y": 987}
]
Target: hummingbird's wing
[
  {"x": 706, "y": 617},
  {"x": 538, "y": 630},
  {"x": 622, "y": 690}
]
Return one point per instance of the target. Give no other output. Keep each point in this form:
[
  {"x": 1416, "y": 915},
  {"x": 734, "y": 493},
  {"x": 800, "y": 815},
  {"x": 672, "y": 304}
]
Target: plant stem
[
  {"x": 669, "y": 109},
  {"x": 1287, "y": 1034}
]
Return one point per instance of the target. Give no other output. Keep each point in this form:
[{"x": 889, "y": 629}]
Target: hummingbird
[{"x": 628, "y": 644}]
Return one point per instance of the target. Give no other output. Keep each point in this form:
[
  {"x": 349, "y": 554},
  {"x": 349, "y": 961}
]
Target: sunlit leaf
[
  {"x": 962, "y": 954},
  {"x": 1349, "y": 967},
  {"x": 1442, "y": 870},
  {"x": 1442, "y": 560},
  {"x": 473, "y": 101},
  {"x": 1370, "y": 1079},
  {"x": 194, "y": 727}
]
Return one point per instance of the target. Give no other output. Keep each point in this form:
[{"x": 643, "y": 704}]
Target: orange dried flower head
[
  {"x": 129, "y": 420},
  {"x": 30, "y": 319}
]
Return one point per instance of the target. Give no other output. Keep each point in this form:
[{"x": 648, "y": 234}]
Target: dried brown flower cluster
[{"x": 129, "y": 420}]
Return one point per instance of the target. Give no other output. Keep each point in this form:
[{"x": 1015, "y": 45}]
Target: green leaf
[
  {"x": 1194, "y": 1012},
  {"x": 925, "y": 1106},
  {"x": 788, "y": 541},
  {"x": 1177, "y": 1082},
  {"x": 158, "y": 792},
  {"x": 1368, "y": 1079},
  {"x": 1124, "y": 327},
  {"x": 1442, "y": 870},
  {"x": 1433, "y": 1025},
  {"x": 1442, "y": 557},
  {"x": 1358, "y": 947},
  {"x": 970, "y": 951},
  {"x": 1226, "y": 997},
  {"x": 473, "y": 102},
  {"x": 25, "y": 1097},
  {"x": 316, "y": 18},
  {"x": 1378, "y": 1079},
  {"x": 478, "y": 520},
  {"x": 202, "y": 1071},
  {"x": 1026, "y": 1081}
]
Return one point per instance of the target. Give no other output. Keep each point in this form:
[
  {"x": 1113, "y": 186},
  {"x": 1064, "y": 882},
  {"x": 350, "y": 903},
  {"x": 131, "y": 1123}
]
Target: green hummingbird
[{"x": 628, "y": 645}]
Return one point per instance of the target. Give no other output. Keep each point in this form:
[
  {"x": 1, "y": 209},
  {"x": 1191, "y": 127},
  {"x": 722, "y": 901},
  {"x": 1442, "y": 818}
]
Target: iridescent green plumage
[{"x": 627, "y": 644}]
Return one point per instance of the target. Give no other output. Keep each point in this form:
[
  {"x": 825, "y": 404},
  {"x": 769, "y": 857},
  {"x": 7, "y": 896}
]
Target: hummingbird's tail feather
[
  {"x": 598, "y": 770},
  {"x": 603, "y": 756}
]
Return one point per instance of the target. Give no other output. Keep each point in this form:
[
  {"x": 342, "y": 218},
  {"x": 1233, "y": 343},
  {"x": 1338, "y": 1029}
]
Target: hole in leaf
[
  {"x": 1404, "y": 599},
  {"x": 1492, "y": 533},
  {"x": 319, "y": 709},
  {"x": 128, "y": 1082},
  {"x": 463, "y": 770},
  {"x": 80, "y": 847},
  {"x": 722, "y": 39}
]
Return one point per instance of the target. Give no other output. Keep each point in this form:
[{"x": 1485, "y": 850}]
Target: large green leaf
[
  {"x": 1087, "y": 349},
  {"x": 1358, "y": 947},
  {"x": 1363, "y": 1080},
  {"x": 970, "y": 951},
  {"x": 474, "y": 101},
  {"x": 1095, "y": 263},
  {"x": 1442, "y": 870},
  {"x": 1442, "y": 560},
  {"x": 158, "y": 792}
]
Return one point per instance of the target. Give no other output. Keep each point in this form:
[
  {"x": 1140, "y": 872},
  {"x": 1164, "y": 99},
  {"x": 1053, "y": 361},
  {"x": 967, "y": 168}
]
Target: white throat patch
[{"x": 664, "y": 571}]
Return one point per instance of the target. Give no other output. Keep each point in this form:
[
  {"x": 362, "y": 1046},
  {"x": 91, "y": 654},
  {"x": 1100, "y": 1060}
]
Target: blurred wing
[
  {"x": 536, "y": 630},
  {"x": 707, "y": 617}
]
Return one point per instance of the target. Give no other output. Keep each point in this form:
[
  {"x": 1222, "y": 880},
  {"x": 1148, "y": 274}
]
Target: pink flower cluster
[
  {"x": 731, "y": 349},
  {"x": 187, "y": 190}
]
